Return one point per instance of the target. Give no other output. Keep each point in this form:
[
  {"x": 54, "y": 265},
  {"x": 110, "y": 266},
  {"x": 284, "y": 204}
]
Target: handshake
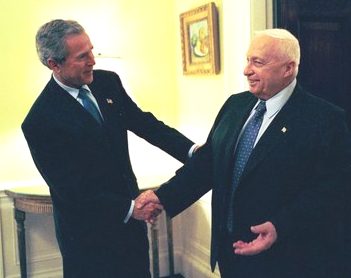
[{"x": 147, "y": 207}]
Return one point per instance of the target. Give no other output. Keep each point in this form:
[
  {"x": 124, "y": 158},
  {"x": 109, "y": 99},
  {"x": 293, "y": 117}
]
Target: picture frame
[{"x": 199, "y": 40}]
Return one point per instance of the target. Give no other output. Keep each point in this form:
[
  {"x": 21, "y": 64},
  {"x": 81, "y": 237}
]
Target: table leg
[
  {"x": 20, "y": 216},
  {"x": 154, "y": 244},
  {"x": 170, "y": 245}
]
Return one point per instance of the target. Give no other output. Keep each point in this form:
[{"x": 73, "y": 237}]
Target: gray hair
[
  {"x": 289, "y": 45},
  {"x": 51, "y": 39}
]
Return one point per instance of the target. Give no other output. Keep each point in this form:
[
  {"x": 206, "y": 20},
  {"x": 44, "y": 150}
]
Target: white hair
[{"x": 289, "y": 45}]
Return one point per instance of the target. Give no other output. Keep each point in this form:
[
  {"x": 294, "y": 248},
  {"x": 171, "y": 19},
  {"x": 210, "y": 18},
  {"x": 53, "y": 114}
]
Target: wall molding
[
  {"x": 2, "y": 263},
  {"x": 197, "y": 264},
  {"x": 43, "y": 273},
  {"x": 192, "y": 256},
  {"x": 48, "y": 273},
  {"x": 55, "y": 255}
]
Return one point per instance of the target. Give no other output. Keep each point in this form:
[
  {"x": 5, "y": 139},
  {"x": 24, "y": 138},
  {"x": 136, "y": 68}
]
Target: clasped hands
[{"x": 147, "y": 207}]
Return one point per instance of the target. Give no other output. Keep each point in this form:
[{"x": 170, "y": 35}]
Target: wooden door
[{"x": 323, "y": 28}]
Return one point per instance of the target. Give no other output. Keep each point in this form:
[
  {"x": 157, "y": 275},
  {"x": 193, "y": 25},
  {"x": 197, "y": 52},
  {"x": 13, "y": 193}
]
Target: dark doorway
[{"x": 323, "y": 28}]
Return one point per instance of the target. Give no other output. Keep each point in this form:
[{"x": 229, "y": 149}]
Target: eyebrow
[
  {"x": 82, "y": 53},
  {"x": 255, "y": 58}
]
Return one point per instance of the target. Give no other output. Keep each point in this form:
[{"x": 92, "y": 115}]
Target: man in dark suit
[
  {"x": 83, "y": 157},
  {"x": 278, "y": 162}
]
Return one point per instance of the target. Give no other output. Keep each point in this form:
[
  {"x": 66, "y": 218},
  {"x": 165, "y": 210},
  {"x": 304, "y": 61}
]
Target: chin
[
  {"x": 254, "y": 92},
  {"x": 89, "y": 80},
  {"x": 257, "y": 94}
]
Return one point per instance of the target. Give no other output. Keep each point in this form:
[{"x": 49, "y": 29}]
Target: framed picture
[{"x": 199, "y": 36}]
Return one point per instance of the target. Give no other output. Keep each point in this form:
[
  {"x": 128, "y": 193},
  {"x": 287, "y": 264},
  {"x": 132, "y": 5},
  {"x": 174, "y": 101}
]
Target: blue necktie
[
  {"x": 242, "y": 154},
  {"x": 89, "y": 105}
]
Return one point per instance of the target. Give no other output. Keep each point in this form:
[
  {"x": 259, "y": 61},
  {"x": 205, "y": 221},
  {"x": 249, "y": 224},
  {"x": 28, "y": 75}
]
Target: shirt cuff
[
  {"x": 129, "y": 212},
  {"x": 191, "y": 151}
]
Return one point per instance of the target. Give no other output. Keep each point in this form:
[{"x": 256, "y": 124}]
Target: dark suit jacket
[
  {"x": 291, "y": 179},
  {"x": 87, "y": 166}
]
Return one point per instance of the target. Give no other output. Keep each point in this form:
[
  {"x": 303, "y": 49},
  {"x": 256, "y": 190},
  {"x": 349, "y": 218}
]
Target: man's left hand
[{"x": 267, "y": 236}]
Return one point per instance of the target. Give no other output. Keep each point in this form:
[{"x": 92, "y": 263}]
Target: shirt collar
[
  {"x": 275, "y": 103},
  {"x": 72, "y": 91}
]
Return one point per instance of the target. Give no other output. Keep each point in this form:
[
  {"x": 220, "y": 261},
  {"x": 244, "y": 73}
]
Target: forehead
[
  {"x": 78, "y": 43},
  {"x": 263, "y": 47}
]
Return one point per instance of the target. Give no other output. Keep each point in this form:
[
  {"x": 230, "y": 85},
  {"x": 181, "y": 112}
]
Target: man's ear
[
  {"x": 290, "y": 68},
  {"x": 53, "y": 65}
]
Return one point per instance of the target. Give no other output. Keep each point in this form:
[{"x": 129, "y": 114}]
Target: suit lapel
[
  {"x": 109, "y": 105},
  {"x": 227, "y": 131},
  {"x": 275, "y": 133},
  {"x": 68, "y": 110}
]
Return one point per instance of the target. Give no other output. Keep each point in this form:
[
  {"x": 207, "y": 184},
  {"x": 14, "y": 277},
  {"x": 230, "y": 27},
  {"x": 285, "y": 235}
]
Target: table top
[
  {"x": 37, "y": 191},
  {"x": 35, "y": 199},
  {"x": 40, "y": 191}
]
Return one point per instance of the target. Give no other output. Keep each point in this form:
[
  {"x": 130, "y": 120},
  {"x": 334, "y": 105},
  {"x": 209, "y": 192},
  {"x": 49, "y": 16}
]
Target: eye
[
  {"x": 258, "y": 63},
  {"x": 82, "y": 56}
]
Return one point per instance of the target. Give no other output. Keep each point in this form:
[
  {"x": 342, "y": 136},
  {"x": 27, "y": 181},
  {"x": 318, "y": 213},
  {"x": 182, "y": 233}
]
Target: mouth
[
  {"x": 88, "y": 76},
  {"x": 252, "y": 82},
  {"x": 88, "y": 72}
]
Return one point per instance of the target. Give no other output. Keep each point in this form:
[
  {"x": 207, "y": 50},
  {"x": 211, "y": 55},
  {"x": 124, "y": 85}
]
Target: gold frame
[{"x": 199, "y": 37}]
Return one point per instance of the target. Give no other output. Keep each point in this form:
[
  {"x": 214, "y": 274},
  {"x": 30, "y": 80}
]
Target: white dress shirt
[
  {"x": 273, "y": 106},
  {"x": 74, "y": 93}
]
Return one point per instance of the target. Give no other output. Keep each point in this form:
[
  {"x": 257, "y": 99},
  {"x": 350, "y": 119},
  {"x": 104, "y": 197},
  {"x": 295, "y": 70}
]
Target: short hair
[
  {"x": 289, "y": 45},
  {"x": 51, "y": 39}
]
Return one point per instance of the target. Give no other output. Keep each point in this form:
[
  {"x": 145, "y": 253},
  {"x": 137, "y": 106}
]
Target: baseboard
[{"x": 174, "y": 276}]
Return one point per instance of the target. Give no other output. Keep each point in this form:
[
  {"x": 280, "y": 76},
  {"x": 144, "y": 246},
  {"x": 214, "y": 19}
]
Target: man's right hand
[{"x": 147, "y": 207}]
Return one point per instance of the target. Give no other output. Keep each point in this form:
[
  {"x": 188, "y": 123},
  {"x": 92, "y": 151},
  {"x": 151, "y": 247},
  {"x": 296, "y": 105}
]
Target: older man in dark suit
[
  {"x": 77, "y": 134},
  {"x": 278, "y": 162}
]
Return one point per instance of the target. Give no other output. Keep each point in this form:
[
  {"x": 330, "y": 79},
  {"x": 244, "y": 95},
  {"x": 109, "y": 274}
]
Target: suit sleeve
[
  {"x": 148, "y": 127},
  {"x": 191, "y": 181}
]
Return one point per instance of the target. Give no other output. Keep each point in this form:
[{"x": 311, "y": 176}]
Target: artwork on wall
[{"x": 200, "y": 42}]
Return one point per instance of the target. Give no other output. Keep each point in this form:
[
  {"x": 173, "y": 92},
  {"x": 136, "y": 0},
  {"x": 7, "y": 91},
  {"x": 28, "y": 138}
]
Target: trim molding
[
  {"x": 194, "y": 265},
  {"x": 2, "y": 264},
  {"x": 46, "y": 273}
]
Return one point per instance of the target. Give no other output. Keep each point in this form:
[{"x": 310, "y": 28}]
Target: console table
[{"x": 36, "y": 199}]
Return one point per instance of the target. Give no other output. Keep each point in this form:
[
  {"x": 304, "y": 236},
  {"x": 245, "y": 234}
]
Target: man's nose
[
  {"x": 248, "y": 69},
  {"x": 91, "y": 59}
]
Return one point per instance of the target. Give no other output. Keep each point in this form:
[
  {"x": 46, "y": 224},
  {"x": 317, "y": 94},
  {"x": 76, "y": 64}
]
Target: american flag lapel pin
[
  {"x": 109, "y": 101},
  {"x": 284, "y": 129}
]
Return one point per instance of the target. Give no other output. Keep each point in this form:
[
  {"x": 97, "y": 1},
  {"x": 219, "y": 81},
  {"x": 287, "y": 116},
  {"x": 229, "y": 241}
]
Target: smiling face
[
  {"x": 77, "y": 68},
  {"x": 268, "y": 70}
]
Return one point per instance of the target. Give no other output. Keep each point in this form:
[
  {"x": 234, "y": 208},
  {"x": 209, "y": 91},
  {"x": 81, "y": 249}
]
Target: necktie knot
[
  {"x": 83, "y": 93},
  {"x": 261, "y": 108}
]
